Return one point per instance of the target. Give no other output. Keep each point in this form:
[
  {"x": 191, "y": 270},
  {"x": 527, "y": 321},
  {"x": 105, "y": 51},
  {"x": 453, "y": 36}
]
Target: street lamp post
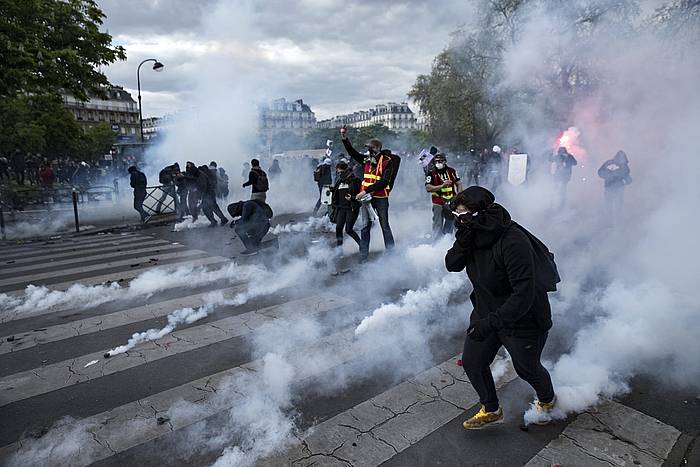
[{"x": 157, "y": 66}]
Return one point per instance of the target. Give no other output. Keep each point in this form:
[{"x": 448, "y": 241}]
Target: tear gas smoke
[
  {"x": 41, "y": 298},
  {"x": 181, "y": 316},
  {"x": 187, "y": 223},
  {"x": 312, "y": 224}
]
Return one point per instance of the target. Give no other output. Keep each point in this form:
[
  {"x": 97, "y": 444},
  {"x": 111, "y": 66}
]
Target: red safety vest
[
  {"x": 372, "y": 175},
  {"x": 443, "y": 195}
]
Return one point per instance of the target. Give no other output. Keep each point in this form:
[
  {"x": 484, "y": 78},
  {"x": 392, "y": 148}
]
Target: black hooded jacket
[
  {"x": 616, "y": 171},
  {"x": 505, "y": 291}
]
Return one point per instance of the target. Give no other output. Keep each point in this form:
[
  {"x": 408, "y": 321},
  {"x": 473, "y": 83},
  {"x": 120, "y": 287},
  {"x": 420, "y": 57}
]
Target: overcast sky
[{"x": 339, "y": 56}]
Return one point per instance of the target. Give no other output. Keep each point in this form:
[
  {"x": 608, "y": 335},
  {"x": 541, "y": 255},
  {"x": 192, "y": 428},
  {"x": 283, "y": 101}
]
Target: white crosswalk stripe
[{"x": 397, "y": 417}]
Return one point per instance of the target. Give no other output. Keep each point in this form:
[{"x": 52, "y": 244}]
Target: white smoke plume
[
  {"x": 312, "y": 224},
  {"x": 187, "y": 223},
  {"x": 177, "y": 317},
  {"x": 40, "y": 298}
]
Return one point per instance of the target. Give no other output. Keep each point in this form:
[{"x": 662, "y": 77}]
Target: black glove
[{"x": 480, "y": 330}]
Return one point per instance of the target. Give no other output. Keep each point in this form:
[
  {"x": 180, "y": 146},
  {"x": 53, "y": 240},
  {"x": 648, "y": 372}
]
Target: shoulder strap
[{"x": 498, "y": 248}]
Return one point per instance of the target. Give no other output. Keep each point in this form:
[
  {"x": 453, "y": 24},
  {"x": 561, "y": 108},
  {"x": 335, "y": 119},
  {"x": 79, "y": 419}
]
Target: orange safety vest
[
  {"x": 372, "y": 176},
  {"x": 444, "y": 195}
]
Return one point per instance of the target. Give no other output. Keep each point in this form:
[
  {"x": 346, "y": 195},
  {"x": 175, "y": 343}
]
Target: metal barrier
[{"x": 160, "y": 199}]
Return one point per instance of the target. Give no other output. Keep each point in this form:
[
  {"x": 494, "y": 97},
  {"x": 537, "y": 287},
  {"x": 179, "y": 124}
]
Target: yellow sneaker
[
  {"x": 543, "y": 409},
  {"x": 483, "y": 418}
]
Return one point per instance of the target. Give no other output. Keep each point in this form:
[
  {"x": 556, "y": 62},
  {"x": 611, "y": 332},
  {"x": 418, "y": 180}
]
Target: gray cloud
[{"x": 338, "y": 56}]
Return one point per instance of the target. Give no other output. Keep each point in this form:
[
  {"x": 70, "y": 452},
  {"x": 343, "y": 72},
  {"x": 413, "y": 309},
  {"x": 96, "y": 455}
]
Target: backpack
[
  {"x": 261, "y": 182},
  {"x": 317, "y": 174},
  {"x": 546, "y": 272},
  {"x": 393, "y": 177}
]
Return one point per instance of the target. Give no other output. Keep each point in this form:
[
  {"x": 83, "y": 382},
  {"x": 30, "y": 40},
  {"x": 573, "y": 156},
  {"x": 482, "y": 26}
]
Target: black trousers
[
  {"x": 525, "y": 353},
  {"x": 211, "y": 207},
  {"x": 345, "y": 221},
  {"x": 252, "y": 233},
  {"x": 139, "y": 197}
]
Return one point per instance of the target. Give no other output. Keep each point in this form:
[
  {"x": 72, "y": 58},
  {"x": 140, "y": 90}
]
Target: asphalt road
[{"x": 185, "y": 397}]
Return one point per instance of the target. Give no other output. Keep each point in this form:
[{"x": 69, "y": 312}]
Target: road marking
[
  {"x": 30, "y": 383},
  {"x": 27, "y": 340},
  {"x": 14, "y": 251},
  {"x": 610, "y": 434},
  {"x": 87, "y": 257},
  {"x": 79, "y": 251},
  {"x": 142, "y": 261}
]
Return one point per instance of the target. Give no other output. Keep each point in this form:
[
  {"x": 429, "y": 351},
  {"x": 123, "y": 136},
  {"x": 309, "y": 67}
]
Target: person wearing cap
[
  {"x": 443, "y": 184},
  {"x": 510, "y": 308},
  {"x": 380, "y": 167},
  {"x": 323, "y": 177}
]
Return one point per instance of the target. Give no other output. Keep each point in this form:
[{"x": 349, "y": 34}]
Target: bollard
[
  {"x": 2, "y": 222},
  {"x": 75, "y": 209}
]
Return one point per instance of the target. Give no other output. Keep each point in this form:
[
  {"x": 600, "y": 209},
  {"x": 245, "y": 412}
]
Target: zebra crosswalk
[{"x": 278, "y": 380}]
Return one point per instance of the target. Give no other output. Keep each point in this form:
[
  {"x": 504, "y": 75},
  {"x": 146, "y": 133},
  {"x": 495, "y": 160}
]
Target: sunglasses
[{"x": 464, "y": 215}]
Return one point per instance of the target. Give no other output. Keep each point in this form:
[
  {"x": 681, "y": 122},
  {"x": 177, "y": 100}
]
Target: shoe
[
  {"x": 224, "y": 222},
  {"x": 543, "y": 410},
  {"x": 483, "y": 418},
  {"x": 249, "y": 252}
]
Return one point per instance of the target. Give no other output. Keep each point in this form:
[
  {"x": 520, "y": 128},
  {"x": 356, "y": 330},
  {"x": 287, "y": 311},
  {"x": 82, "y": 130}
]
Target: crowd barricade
[{"x": 159, "y": 200}]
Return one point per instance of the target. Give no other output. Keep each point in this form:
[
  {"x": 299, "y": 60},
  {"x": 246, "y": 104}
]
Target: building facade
[
  {"x": 397, "y": 117},
  {"x": 118, "y": 109},
  {"x": 281, "y": 116},
  {"x": 155, "y": 127}
]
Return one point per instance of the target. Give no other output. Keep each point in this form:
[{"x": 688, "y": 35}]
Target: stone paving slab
[
  {"x": 26, "y": 384},
  {"x": 610, "y": 435},
  {"x": 27, "y": 340},
  {"x": 135, "y": 423},
  {"x": 375, "y": 430}
]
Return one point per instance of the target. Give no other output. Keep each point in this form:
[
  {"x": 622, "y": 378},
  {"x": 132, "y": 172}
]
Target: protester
[
  {"x": 138, "y": 182},
  {"x": 181, "y": 186},
  {"x": 221, "y": 180},
  {"x": 380, "y": 169},
  {"x": 32, "y": 169},
  {"x": 209, "y": 186},
  {"x": 493, "y": 168},
  {"x": 46, "y": 177},
  {"x": 511, "y": 308},
  {"x": 257, "y": 179},
  {"x": 442, "y": 183},
  {"x": 474, "y": 166},
  {"x": 562, "y": 162},
  {"x": 192, "y": 181},
  {"x": 252, "y": 224},
  {"x": 166, "y": 177},
  {"x": 18, "y": 166},
  {"x": 616, "y": 173},
  {"x": 345, "y": 208},
  {"x": 322, "y": 177},
  {"x": 4, "y": 169},
  {"x": 275, "y": 169}
]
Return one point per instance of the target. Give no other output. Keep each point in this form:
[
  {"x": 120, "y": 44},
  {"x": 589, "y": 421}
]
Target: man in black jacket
[
  {"x": 138, "y": 182},
  {"x": 252, "y": 225},
  {"x": 616, "y": 173},
  {"x": 209, "y": 204},
  {"x": 257, "y": 179},
  {"x": 510, "y": 309}
]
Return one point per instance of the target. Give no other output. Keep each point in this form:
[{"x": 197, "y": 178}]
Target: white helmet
[{"x": 497, "y": 149}]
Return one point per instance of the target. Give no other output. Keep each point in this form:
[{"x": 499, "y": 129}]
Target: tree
[
  {"x": 50, "y": 45},
  {"x": 47, "y": 47},
  {"x": 98, "y": 141}
]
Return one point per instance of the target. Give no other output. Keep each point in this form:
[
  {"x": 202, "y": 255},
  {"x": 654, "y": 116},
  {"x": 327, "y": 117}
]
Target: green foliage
[
  {"x": 49, "y": 45},
  {"x": 98, "y": 140}
]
